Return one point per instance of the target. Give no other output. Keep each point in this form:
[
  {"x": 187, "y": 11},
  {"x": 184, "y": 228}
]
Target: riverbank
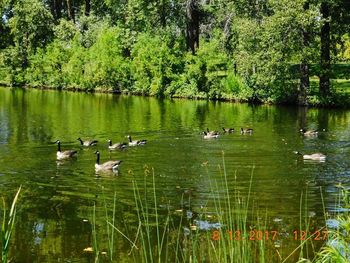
[{"x": 339, "y": 98}]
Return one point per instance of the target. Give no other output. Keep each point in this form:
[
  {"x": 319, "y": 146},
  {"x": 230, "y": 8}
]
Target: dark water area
[{"x": 55, "y": 209}]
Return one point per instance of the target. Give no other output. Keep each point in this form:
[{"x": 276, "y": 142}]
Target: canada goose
[
  {"x": 212, "y": 132},
  {"x": 65, "y": 154},
  {"x": 107, "y": 166},
  {"x": 210, "y": 136},
  {"x": 87, "y": 143},
  {"x": 136, "y": 143},
  {"x": 309, "y": 133},
  {"x": 229, "y": 130},
  {"x": 314, "y": 156},
  {"x": 246, "y": 131},
  {"x": 119, "y": 145}
]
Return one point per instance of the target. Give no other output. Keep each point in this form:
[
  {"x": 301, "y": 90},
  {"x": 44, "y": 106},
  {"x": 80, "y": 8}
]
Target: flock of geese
[
  {"x": 215, "y": 134},
  {"x": 114, "y": 165},
  {"x": 307, "y": 133},
  {"x": 106, "y": 166}
]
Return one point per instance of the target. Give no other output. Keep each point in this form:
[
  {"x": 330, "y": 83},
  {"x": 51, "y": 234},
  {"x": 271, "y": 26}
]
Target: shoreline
[{"x": 129, "y": 93}]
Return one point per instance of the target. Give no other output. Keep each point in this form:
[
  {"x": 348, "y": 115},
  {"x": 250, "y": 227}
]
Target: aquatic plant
[
  {"x": 221, "y": 235},
  {"x": 337, "y": 249},
  {"x": 7, "y": 228}
]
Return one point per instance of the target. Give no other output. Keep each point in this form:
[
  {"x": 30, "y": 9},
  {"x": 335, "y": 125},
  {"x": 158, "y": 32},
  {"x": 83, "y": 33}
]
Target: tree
[
  {"x": 31, "y": 27},
  {"x": 335, "y": 23},
  {"x": 304, "y": 65},
  {"x": 325, "y": 49},
  {"x": 192, "y": 31}
]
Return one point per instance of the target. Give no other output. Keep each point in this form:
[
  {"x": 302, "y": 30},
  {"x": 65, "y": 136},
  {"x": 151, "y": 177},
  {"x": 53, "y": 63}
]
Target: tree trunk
[
  {"x": 304, "y": 69},
  {"x": 325, "y": 51},
  {"x": 192, "y": 32},
  {"x": 58, "y": 7},
  {"x": 87, "y": 7},
  {"x": 162, "y": 13},
  {"x": 70, "y": 10}
]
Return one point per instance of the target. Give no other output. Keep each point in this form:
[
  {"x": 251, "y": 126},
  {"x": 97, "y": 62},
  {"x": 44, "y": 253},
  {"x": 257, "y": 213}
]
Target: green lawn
[{"x": 340, "y": 85}]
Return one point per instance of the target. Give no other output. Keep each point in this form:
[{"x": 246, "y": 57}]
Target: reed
[
  {"x": 337, "y": 248},
  {"x": 235, "y": 233},
  {"x": 8, "y": 225},
  {"x": 227, "y": 241}
]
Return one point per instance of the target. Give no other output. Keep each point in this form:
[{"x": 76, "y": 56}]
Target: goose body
[
  {"x": 309, "y": 133},
  {"x": 314, "y": 156},
  {"x": 106, "y": 166},
  {"x": 210, "y": 135},
  {"x": 246, "y": 131},
  {"x": 229, "y": 130},
  {"x": 87, "y": 143},
  {"x": 119, "y": 145},
  {"x": 212, "y": 132},
  {"x": 61, "y": 155},
  {"x": 136, "y": 143}
]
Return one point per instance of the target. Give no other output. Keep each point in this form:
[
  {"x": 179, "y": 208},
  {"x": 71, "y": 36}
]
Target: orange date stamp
[{"x": 258, "y": 235}]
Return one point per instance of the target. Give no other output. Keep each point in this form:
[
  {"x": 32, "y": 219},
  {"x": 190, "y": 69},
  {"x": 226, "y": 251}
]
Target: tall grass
[
  {"x": 227, "y": 239},
  {"x": 337, "y": 249},
  {"x": 233, "y": 231},
  {"x": 7, "y": 228}
]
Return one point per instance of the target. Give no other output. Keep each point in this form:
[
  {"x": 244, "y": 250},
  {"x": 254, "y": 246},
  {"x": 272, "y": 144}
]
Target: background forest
[{"x": 277, "y": 51}]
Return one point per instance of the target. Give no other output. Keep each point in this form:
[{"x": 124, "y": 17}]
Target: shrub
[{"x": 154, "y": 64}]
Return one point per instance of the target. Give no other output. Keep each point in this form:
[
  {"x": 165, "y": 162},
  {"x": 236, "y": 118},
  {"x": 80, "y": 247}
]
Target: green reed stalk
[
  {"x": 8, "y": 226},
  {"x": 113, "y": 223},
  {"x": 94, "y": 234},
  {"x": 139, "y": 208},
  {"x": 109, "y": 226},
  {"x": 156, "y": 211},
  {"x": 337, "y": 249},
  {"x": 178, "y": 234}
]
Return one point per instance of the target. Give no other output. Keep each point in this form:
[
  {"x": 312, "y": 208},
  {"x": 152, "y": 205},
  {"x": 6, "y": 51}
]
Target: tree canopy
[{"x": 262, "y": 51}]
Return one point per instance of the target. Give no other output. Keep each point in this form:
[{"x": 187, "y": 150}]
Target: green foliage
[
  {"x": 154, "y": 64},
  {"x": 46, "y": 66},
  {"x": 344, "y": 48},
  {"x": 236, "y": 87},
  {"x": 139, "y": 46},
  {"x": 337, "y": 248},
  {"x": 204, "y": 74},
  {"x": 267, "y": 48},
  {"x": 105, "y": 65},
  {"x": 31, "y": 24},
  {"x": 31, "y": 28}
]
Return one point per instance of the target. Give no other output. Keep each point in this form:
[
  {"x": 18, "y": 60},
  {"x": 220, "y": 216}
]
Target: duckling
[
  {"x": 229, "y": 130},
  {"x": 87, "y": 143},
  {"x": 246, "y": 131},
  {"x": 212, "y": 132},
  {"x": 119, "y": 145},
  {"x": 314, "y": 156},
  {"x": 65, "y": 154},
  {"x": 210, "y": 135},
  {"x": 107, "y": 166},
  {"x": 136, "y": 143},
  {"x": 309, "y": 133}
]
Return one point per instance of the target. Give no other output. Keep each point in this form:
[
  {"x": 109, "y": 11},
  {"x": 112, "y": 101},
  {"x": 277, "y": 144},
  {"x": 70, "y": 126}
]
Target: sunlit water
[{"x": 56, "y": 205}]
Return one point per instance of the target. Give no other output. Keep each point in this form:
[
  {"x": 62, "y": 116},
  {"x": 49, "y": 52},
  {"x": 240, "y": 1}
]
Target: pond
[{"x": 64, "y": 206}]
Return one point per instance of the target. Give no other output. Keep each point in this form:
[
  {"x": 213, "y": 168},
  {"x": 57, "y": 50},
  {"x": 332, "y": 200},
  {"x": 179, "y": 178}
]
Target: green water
[{"x": 54, "y": 222}]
